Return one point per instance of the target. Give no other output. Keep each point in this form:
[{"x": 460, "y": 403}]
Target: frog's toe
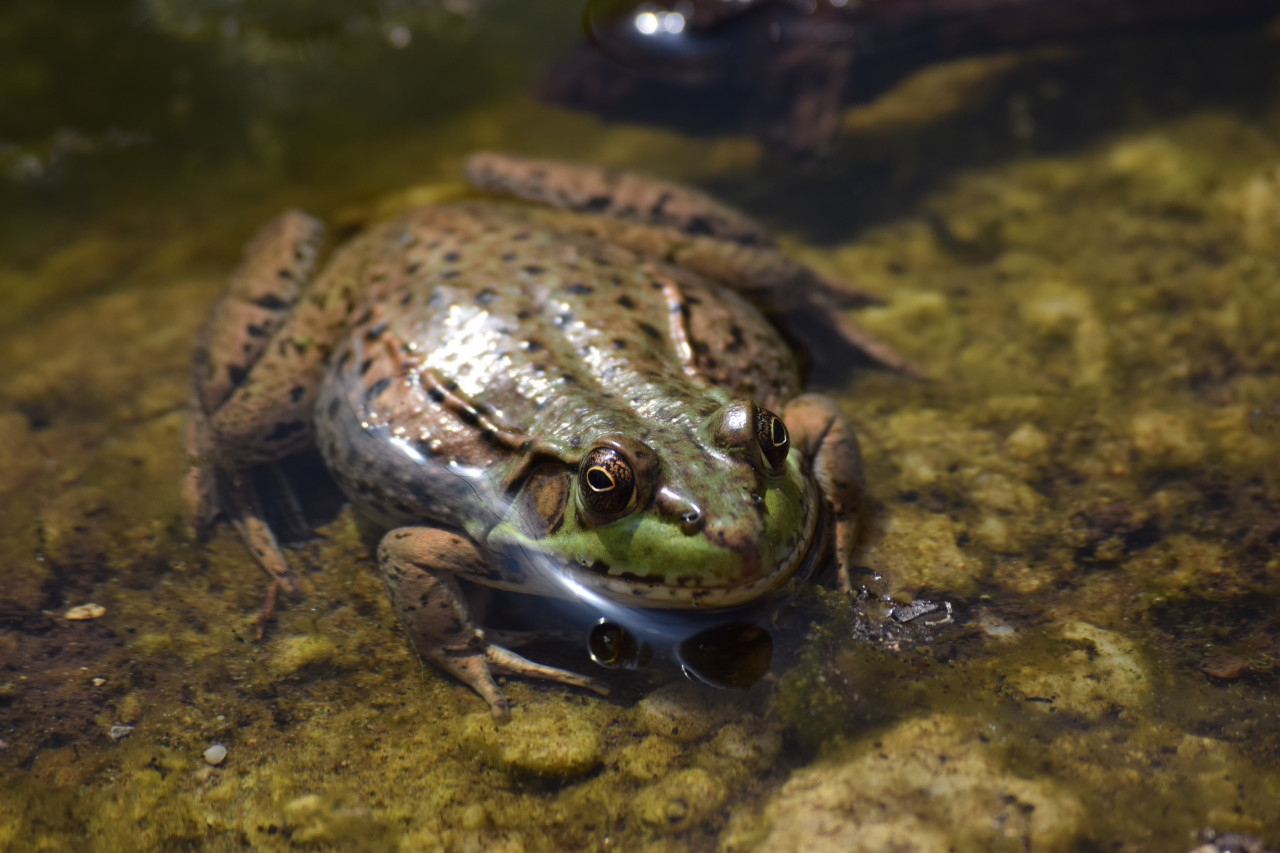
[
  {"x": 508, "y": 662},
  {"x": 471, "y": 667}
]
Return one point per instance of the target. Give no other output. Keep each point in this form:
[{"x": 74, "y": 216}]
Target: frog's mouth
[{"x": 809, "y": 549}]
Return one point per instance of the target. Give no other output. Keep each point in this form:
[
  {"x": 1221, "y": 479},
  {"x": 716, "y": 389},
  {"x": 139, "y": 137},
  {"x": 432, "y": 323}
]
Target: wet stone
[
  {"x": 682, "y": 711},
  {"x": 681, "y": 800},
  {"x": 552, "y": 740},
  {"x": 1102, "y": 674},
  {"x": 295, "y": 656},
  {"x": 648, "y": 758},
  {"x": 929, "y": 780}
]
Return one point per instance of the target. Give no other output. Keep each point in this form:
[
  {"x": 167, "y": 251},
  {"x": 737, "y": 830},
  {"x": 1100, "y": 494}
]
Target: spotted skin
[{"x": 456, "y": 364}]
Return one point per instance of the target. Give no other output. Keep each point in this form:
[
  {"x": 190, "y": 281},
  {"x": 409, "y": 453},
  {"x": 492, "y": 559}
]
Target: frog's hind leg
[
  {"x": 238, "y": 335},
  {"x": 258, "y": 301},
  {"x": 686, "y": 228},
  {"x": 620, "y": 195},
  {"x": 420, "y": 567}
]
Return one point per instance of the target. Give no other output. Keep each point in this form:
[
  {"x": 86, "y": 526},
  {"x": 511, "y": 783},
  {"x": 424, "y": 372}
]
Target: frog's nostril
[{"x": 691, "y": 521}]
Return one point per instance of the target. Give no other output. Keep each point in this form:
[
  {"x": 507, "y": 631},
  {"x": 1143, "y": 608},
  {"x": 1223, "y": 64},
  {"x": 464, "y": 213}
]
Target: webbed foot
[{"x": 420, "y": 567}]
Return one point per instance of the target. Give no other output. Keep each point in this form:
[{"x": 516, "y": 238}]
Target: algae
[{"x": 1088, "y": 475}]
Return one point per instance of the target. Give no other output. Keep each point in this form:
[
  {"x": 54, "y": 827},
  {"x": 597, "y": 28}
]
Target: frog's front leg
[
  {"x": 420, "y": 567},
  {"x": 821, "y": 433}
]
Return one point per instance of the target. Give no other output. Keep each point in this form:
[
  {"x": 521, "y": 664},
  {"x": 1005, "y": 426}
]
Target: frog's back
[{"x": 483, "y": 324}]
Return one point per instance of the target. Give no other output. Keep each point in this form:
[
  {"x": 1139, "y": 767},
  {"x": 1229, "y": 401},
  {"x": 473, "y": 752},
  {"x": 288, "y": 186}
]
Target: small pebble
[
  {"x": 215, "y": 754},
  {"x": 98, "y": 682},
  {"x": 119, "y": 730},
  {"x": 81, "y": 612}
]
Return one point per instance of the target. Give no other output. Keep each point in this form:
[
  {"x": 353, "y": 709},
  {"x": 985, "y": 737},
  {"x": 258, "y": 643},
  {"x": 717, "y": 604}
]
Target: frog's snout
[{"x": 674, "y": 505}]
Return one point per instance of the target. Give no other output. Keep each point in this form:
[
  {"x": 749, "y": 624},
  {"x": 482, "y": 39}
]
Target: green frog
[{"x": 569, "y": 376}]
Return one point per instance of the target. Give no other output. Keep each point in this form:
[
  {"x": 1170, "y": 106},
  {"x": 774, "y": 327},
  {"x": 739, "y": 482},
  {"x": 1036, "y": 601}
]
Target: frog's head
[{"x": 709, "y": 514}]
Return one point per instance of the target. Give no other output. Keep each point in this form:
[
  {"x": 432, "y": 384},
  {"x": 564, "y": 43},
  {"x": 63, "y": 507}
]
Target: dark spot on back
[
  {"x": 626, "y": 301},
  {"x": 270, "y": 301},
  {"x": 256, "y": 331},
  {"x": 375, "y": 332},
  {"x": 597, "y": 203},
  {"x": 651, "y": 331},
  {"x": 533, "y": 269},
  {"x": 486, "y": 296},
  {"x": 283, "y": 431},
  {"x": 619, "y": 343},
  {"x": 296, "y": 392},
  {"x": 533, "y": 345},
  {"x": 237, "y": 375},
  {"x": 699, "y": 225},
  {"x": 377, "y": 388},
  {"x": 579, "y": 289},
  {"x": 365, "y": 365},
  {"x": 412, "y": 268}
]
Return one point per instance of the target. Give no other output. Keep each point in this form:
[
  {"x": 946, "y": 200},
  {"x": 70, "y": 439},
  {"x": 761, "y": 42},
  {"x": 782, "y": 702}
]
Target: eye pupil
[
  {"x": 599, "y": 479},
  {"x": 778, "y": 432},
  {"x": 772, "y": 439}
]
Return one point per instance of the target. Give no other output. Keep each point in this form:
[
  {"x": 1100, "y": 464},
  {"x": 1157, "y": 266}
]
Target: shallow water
[{"x": 1081, "y": 249}]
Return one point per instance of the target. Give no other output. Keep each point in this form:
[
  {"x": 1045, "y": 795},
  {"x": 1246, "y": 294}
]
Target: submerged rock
[
  {"x": 929, "y": 784},
  {"x": 556, "y": 740}
]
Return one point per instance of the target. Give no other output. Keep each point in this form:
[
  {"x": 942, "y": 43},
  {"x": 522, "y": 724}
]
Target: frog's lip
[{"x": 640, "y": 591}]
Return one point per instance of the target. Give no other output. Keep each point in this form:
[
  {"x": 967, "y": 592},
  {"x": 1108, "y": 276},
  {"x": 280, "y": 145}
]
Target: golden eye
[
  {"x": 607, "y": 482},
  {"x": 772, "y": 438}
]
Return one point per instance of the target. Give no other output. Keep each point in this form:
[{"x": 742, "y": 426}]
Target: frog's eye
[
  {"x": 607, "y": 482},
  {"x": 772, "y": 438}
]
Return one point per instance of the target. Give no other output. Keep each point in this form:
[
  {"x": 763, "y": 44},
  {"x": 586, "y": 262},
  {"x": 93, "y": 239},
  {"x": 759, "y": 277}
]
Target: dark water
[{"x": 1078, "y": 247}]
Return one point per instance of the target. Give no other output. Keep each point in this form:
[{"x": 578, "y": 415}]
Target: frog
[{"x": 570, "y": 378}]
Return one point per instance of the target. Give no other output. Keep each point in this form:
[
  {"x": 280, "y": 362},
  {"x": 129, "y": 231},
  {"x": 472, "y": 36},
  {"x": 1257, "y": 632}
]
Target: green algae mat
[{"x": 1080, "y": 251}]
